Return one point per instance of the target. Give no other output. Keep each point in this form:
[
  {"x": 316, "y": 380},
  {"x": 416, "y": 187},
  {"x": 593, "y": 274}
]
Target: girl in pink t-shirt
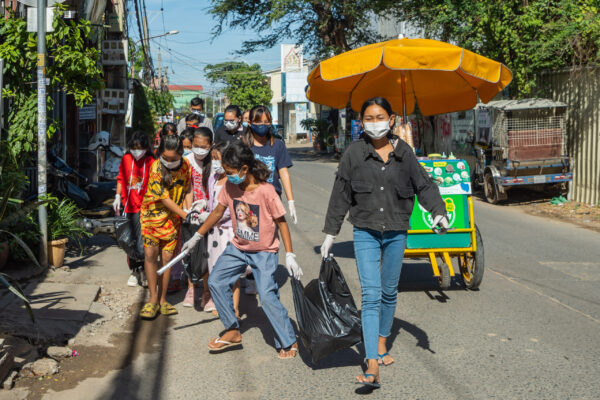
[{"x": 257, "y": 216}]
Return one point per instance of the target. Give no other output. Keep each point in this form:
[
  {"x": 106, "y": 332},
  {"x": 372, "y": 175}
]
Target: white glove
[
  {"x": 292, "y": 207},
  {"x": 190, "y": 244},
  {"x": 326, "y": 246},
  {"x": 117, "y": 204},
  {"x": 440, "y": 224},
  {"x": 292, "y": 266},
  {"x": 198, "y": 205}
]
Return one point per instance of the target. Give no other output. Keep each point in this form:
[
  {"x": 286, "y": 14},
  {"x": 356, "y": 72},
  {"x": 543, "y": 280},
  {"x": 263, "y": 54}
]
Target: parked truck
[{"x": 521, "y": 142}]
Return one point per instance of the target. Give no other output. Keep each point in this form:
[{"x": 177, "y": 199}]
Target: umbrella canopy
[{"x": 439, "y": 76}]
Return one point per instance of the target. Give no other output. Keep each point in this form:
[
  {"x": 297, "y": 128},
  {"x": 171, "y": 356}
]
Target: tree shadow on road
[
  {"x": 147, "y": 337},
  {"x": 81, "y": 254}
]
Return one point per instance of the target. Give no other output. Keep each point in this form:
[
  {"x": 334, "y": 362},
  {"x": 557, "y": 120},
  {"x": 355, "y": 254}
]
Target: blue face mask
[
  {"x": 186, "y": 152},
  {"x": 236, "y": 179},
  {"x": 261, "y": 130},
  {"x": 245, "y": 124}
]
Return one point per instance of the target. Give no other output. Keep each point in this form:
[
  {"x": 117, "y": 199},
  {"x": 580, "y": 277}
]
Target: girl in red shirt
[{"x": 132, "y": 182}]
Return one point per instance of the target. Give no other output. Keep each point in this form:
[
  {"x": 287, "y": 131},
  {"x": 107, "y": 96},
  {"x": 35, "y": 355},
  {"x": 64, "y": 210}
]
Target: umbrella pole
[{"x": 403, "y": 82}]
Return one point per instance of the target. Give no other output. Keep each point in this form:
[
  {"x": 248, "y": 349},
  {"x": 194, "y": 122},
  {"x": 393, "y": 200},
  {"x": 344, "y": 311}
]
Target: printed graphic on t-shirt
[
  {"x": 247, "y": 219},
  {"x": 270, "y": 162},
  {"x": 136, "y": 183}
]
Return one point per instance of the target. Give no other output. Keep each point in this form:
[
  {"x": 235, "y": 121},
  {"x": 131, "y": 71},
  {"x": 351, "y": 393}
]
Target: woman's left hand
[
  {"x": 440, "y": 224},
  {"x": 292, "y": 207}
]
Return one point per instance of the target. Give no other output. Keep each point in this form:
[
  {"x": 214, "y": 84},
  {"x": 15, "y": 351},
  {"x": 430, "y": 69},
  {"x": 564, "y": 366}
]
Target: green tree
[
  {"x": 324, "y": 27},
  {"x": 528, "y": 36},
  {"x": 160, "y": 101},
  {"x": 245, "y": 85},
  {"x": 72, "y": 68}
]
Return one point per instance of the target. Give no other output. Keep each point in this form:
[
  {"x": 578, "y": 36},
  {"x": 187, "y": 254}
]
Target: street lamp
[{"x": 173, "y": 32}]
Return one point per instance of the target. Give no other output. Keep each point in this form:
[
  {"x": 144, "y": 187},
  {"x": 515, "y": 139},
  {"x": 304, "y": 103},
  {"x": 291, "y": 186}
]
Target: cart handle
[{"x": 454, "y": 230}]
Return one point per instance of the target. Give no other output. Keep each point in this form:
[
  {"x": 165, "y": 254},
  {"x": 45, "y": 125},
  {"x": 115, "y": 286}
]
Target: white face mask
[
  {"x": 200, "y": 153},
  {"x": 137, "y": 154},
  {"x": 376, "y": 130},
  {"x": 170, "y": 164},
  {"x": 217, "y": 168},
  {"x": 231, "y": 125}
]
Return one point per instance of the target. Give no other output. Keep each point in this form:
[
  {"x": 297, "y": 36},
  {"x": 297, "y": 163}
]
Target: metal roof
[{"x": 523, "y": 104}]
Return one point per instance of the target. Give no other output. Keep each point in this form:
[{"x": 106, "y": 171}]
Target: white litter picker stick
[{"x": 173, "y": 262}]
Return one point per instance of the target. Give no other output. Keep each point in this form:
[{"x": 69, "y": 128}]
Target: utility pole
[
  {"x": 41, "y": 148},
  {"x": 147, "y": 73},
  {"x": 159, "y": 73}
]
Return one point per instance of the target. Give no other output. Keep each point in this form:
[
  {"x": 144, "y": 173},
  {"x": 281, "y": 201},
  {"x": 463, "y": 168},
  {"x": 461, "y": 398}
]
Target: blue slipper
[
  {"x": 375, "y": 383},
  {"x": 380, "y": 356}
]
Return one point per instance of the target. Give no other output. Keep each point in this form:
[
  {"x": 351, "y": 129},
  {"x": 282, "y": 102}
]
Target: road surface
[{"x": 531, "y": 332}]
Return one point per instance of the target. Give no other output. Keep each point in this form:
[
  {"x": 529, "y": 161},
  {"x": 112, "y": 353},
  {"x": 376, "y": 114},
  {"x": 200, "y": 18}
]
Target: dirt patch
[
  {"x": 96, "y": 361},
  {"x": 584, "y": 215}
]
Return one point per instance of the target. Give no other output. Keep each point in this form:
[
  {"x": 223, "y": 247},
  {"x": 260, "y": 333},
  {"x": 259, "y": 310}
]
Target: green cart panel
[{"x": 453, "y": 179}]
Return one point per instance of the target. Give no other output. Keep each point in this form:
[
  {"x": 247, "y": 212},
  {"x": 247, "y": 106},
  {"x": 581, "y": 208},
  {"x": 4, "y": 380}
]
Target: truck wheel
[
  {"x": 490, "y": 189},
  {"x": 472, "y": 264},
  {"x": 444, "y": 278}
]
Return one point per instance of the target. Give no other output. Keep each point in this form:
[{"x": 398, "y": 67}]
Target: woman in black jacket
[{"x": 377, "y": 179}]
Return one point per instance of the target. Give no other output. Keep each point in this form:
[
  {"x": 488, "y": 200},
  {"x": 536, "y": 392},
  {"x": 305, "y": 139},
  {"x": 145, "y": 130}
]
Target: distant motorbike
[{"x": 94, "y": 199}]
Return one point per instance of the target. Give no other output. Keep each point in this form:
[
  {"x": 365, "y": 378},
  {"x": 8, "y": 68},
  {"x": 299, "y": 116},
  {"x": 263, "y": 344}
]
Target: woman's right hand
[{"x": 326, "y": 246}]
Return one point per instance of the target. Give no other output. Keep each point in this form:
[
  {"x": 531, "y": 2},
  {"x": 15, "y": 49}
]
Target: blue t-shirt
[{"x": 275, "y": 157}]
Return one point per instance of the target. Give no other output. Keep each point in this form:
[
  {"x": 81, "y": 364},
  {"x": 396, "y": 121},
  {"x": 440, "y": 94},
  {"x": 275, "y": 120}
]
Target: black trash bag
[
  {"x": 328, "y": 319},
  {"x": 127, "y": 238},
  {"x": 195, "y": 264}
]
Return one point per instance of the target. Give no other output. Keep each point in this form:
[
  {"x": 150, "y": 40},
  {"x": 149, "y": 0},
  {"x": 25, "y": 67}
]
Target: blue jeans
[
  {"x": 230, "y": 265},
  {"x": 379, "y": 260}
]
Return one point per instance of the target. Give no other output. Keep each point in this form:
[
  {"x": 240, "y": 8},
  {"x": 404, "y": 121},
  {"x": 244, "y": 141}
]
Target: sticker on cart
[
  {"x": 460, "y": 165},
  {"x": 464, "y": 175},
  {"x": 461, "y": 188},
  {"x": 439, "y": 163},
  {"x": 437, "y": 171},
  {"x": 456, "y": 177}
]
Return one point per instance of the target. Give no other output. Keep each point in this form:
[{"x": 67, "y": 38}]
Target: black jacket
[
  {"x": 379, "y": 196},
  {"x": 223, "y": 135}
]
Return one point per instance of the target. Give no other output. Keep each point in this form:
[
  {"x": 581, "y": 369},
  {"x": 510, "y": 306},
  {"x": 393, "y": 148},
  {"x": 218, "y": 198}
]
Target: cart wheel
[
  {"x": 472, "y": 264},
  {"x": 490, "y": 190},
  {"x": 444, "y": 278}
]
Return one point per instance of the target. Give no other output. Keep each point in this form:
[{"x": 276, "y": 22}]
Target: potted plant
[
  {"x": 5, "y": 233},
  {"x": 63, "y": 224},
  {"x": 319, "y": 130}
]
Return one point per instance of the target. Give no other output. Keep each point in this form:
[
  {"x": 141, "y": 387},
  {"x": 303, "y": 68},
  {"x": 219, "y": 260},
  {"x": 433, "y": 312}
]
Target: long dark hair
[
  {"x": 171, "y": 142},
  {"x": 139, "y": 139},
  {"x": 381, "y": 102},
  {"x": 206, "y": 167},
  {"x": 256, "y": 114},
  {"x": 238, "y": 154},
  {"x": 168, "y": 127},
  {"x": 188, "y": 133}
]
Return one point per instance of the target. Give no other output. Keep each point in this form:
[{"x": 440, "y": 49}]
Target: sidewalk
[{"x": 84, "y": 305}]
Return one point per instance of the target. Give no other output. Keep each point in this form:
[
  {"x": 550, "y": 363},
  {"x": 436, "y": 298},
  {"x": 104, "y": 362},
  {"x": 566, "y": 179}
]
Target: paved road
[{"x": 531, "y": 332}]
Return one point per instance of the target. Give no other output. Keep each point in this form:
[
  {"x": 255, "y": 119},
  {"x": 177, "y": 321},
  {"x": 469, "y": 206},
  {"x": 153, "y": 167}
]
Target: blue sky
[{"x": 192, "y": 49}]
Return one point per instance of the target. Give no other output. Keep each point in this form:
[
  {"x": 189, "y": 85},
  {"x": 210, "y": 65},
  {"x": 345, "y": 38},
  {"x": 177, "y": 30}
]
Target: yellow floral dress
[{"x": 160, "y": 227}]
